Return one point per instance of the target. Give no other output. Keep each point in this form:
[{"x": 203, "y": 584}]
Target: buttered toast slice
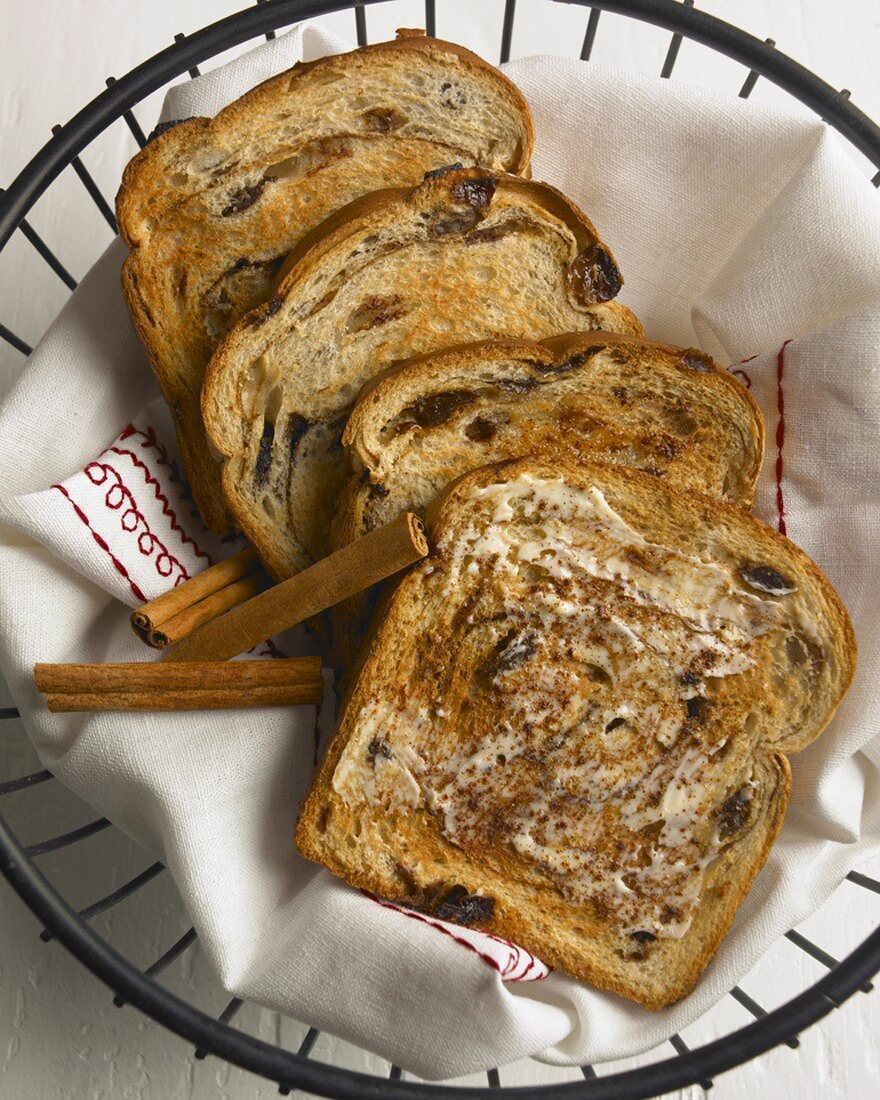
[
  {"x": 572, "y": 724},
  {"x": 468, "y": 254},
  {"x": 600, "y": 396},
  {"x": 211, "y": 207}
]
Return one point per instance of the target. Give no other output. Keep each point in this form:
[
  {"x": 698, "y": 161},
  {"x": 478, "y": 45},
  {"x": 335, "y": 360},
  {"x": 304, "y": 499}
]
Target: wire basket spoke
[
  {"x": 91, "y": 187},
  {"x": 24, "y": 781},
  {"x": 25, "y": 349},
  {"x": 43, "y": 250},
  {"x": 430, "y": 18},
  {"x": 114, "y": 898},
  {"x": 305, "y": 1047},
  {"x": 130, "y": 121},
  {"x": 590, "y": 34},
  {"x": 674, "y": 47},
  {"x": 752, "y": 1006},
  {"x": 752, "y": 79},
  {"x": 507, "y": 29},
  {"x": 681, "y": 1048},
  {"x": 226, "y": 1016},
  {"x": 193, "y": 70},
  {"x": 43, "y": 847},
  {"x": 164, "y": 961},
  {"x": 269, "y": 34},
  {"x": 819, "y": 955},
  {"x": 864, "y": 880},
  {"x": 360, "y": 24}
]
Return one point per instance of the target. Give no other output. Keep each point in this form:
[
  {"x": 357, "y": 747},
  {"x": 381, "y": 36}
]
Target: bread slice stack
[
  {"x": 572, "y": 725},
  {"x": 468, "y": 254},
  {"x": 211, "y": 207}
]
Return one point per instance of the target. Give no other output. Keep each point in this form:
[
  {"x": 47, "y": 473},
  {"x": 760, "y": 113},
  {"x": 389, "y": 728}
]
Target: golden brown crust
[
  {"x": 365, "y": 207},
  {"x": 185, "y": 133}
]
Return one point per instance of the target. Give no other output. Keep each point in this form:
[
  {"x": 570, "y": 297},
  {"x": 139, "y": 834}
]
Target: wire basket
[{"x": 18, "y": 860}]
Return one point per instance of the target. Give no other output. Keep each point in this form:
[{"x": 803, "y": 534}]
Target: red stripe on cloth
[
  {"x": 780, "y": 438},
  {"x": 120, "y": 568},
  {"x": 440, "y": 928}
]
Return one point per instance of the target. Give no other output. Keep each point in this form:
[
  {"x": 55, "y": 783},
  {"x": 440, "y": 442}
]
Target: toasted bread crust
[
  {"x": 400, "y": 853},
  {"x": 142, "y": 170}
]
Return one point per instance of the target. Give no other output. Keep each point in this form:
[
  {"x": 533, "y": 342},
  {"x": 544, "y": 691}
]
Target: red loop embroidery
[
  {"x": 162, "y": 460},
  {"x": 743, "y": 376},
  {"x": 117, "y": 497},
  {"x": 120, "y": 568},
  {"x": 513, "y": 961},
  {"x": 440, "y": 928}
]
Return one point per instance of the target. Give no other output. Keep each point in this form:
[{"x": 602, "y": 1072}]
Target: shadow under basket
[{"x": 676, "y": 1066}]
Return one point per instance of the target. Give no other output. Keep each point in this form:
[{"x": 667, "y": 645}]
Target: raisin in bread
[
  {"x": 211, "y": 207},
  {"x": 571, "y": 727},
  {"x": 468, "y": 254}
]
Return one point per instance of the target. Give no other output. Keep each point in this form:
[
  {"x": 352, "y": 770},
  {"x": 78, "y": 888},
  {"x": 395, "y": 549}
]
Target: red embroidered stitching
[
  {"x": 120, "y": 568},
  {"x": 167, "y": 510},
  {"x": 152, "y": 443},
  {"x": 534, "y": 961},
  {"x": 132, "y": 518},
  {"x": 440, "y": 928},
  {"x": 743, "y": 374},
  {"x": 780, "y": 438}
]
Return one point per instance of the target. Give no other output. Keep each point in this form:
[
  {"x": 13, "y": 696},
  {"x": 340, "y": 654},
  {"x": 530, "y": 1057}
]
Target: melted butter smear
[{"x": 573, "y": 723}]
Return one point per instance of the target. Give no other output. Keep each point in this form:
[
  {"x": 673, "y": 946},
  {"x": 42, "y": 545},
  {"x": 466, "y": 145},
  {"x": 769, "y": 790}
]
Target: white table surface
[{"x": 60, "y": 1037}]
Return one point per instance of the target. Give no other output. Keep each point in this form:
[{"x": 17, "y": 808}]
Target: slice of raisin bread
[
  {"x": 670, "y": 411},
  {"x": 572, "y": 724},
  {"x": 211, "y": 207},
  {"x": 468, "y": 254}
]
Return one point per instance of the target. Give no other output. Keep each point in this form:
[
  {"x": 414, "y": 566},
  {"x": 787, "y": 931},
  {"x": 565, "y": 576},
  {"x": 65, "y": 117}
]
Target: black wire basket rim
[
  {"x": 831, "y": 104},
  {"x": 292, "y": 1070},
  {"x": 213, "y": 1036}
]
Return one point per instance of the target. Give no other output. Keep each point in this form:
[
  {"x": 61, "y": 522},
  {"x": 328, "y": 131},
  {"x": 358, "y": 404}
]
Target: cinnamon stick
[
  {"x": 354, "y": 567},
  {"x": 194, "y": 685},
  {"x": 175, "y": 613},
  {"x": 217, "y": 699}
]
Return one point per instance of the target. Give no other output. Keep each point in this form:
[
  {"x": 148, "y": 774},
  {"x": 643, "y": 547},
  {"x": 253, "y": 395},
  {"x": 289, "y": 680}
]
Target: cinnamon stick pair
[
  {"x": 217, "y": 630},
  {"x": 196, "y": 685},
  {"x": 178, "y": 612},
  {"x": 221, "y": 613}
]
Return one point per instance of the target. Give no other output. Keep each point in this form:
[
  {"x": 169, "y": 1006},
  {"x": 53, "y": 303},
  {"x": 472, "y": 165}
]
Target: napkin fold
[{"x": 739, "y": 228}]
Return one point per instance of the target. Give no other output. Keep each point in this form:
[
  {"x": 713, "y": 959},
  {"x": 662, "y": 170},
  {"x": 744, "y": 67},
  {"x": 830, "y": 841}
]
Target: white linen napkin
[{"x": 738, "y": 228}]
